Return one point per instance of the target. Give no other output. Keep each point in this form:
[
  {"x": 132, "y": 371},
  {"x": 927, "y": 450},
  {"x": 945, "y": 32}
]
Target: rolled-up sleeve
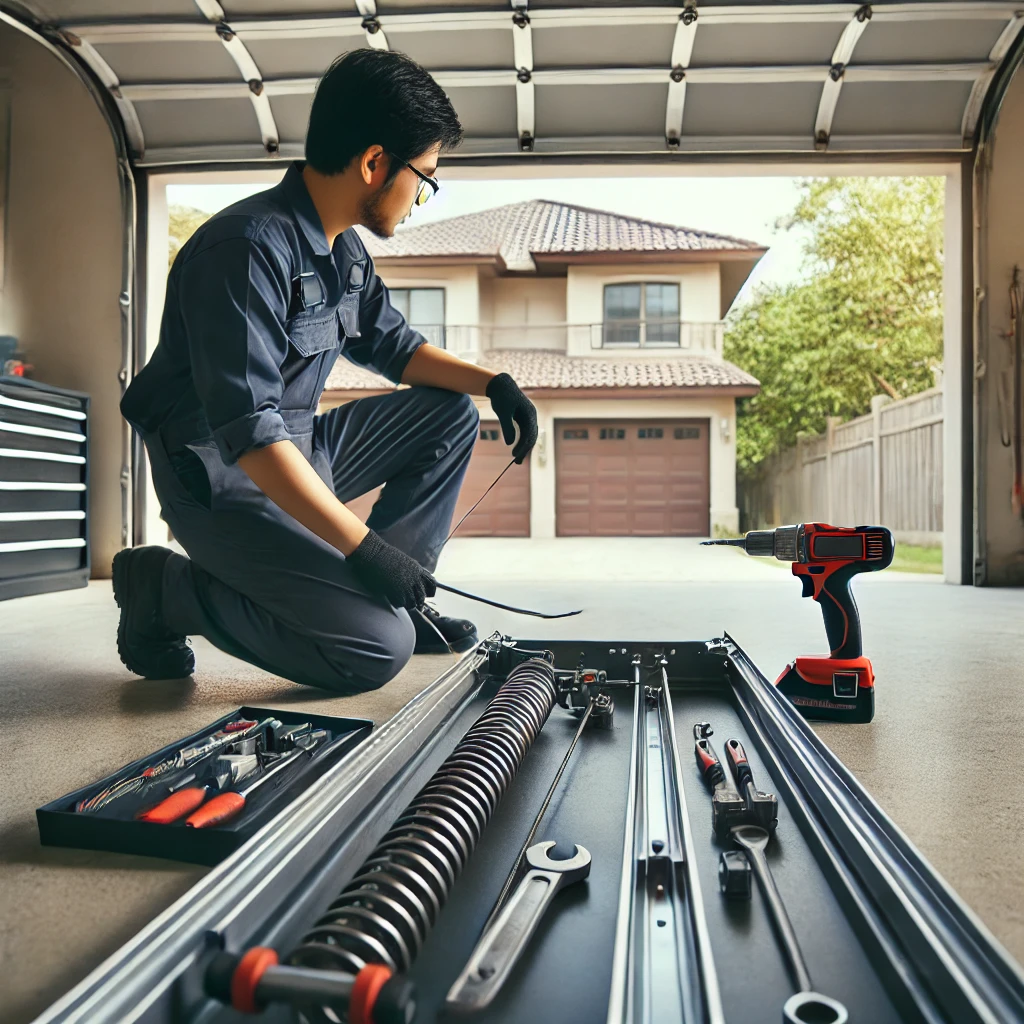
[
  {"x": 386, "y": 342},
  {"x": 233, "y": 302}
]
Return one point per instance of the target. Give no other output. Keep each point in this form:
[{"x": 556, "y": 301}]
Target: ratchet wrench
[
  {"x": 806, "y": 1005},
  {"x": 503, "y": 942}
]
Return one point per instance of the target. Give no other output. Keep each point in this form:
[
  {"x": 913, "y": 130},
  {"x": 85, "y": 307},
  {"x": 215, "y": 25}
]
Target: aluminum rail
[
  {"x": 130, "y": 984},
  {"x": 948, "y": 962}
]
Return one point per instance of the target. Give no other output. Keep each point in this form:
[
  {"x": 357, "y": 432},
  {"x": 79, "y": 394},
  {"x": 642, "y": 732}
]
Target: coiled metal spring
[{"x": 384, "y": 914}]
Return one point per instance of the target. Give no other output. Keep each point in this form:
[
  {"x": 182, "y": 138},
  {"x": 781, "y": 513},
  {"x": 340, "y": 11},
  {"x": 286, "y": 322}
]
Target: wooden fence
[{"x": 885, "y": 468}]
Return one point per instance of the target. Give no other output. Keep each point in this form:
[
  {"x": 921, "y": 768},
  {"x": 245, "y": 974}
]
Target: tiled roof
[
  {"x": 516, "y": 231},
  {"x": 536, "y": 369}
]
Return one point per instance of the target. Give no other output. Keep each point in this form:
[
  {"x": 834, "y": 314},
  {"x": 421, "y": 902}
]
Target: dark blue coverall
[{"x": 258, "y": 309}]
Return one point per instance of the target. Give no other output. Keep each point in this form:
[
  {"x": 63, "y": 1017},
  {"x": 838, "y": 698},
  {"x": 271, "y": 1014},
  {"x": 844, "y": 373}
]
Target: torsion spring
[{"x": 384, "y": 914}]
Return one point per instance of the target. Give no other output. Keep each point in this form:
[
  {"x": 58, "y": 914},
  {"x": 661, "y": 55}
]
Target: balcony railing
[{"x": 684, "y": 336}]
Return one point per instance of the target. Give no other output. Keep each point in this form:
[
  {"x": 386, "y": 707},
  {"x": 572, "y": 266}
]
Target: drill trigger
[{"x": 808, "y": 584}]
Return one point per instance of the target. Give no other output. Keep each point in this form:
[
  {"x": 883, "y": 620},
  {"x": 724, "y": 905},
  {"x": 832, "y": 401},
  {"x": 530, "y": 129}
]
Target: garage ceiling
[{"x": 205, "y": 81}]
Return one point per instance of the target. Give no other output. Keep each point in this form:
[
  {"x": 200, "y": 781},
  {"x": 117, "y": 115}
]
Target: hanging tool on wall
[
  {"x": 826, "y": 558},
  {"x": 1016, "y": 339}
]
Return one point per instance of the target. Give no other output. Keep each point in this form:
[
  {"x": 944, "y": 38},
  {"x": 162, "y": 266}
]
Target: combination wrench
[
  {"x": 806, "y": 1004},
  {"x": 503, "y": 941}
]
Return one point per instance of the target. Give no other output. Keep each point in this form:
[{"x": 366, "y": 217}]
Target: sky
[{"x": 744, "y": 207}]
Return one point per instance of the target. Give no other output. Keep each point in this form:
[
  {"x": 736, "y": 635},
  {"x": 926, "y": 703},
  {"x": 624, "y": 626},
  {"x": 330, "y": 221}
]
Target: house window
[
  {"x": 641, "y": 314},
  {"x": 612, "y": 434},
  {"x": 423, "y": 308},
  {"x": 650, "y": 433}
]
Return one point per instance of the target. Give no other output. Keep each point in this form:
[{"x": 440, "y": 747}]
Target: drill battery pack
[{"x": 830, "y": 689}]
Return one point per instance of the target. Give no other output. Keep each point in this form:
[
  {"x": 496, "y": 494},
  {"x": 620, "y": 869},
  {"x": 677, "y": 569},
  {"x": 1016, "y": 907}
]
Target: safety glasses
[{"x": 422, "y": 195}]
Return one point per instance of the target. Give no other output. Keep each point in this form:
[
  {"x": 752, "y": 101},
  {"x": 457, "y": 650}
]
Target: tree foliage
[
  {"x": 182, "y": 223},
  {"x": 866, "y": 319}
]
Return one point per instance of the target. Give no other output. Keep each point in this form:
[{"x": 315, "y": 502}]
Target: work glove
[
  {"x": 512, "y": 407},
  {"x": 391, "y": 573}
]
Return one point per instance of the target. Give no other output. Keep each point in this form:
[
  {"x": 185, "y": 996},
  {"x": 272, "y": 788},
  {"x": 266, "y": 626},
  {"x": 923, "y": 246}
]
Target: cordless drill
[{"x": 840, "y": 687}]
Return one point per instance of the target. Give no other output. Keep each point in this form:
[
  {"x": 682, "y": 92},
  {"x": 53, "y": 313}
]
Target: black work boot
[
  {"x": 146, "y": 646},
  {"x": 459, "y": 634}
]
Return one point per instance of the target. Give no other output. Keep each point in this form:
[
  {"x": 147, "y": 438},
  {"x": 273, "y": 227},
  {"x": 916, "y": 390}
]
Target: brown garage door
[
  {"x": 505, "y": 512},
  {"x": 647, "y": 478}
]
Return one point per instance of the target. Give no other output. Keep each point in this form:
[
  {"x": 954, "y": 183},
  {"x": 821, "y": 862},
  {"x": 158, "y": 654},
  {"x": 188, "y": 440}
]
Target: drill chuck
[{"x": 761, "y": 543}]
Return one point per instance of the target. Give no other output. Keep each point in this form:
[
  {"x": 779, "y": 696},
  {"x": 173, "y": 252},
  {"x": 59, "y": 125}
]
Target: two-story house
[{"x": 613, "y": 327}]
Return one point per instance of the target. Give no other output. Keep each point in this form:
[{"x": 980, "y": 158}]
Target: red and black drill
[{"x": 840, "y": 687}]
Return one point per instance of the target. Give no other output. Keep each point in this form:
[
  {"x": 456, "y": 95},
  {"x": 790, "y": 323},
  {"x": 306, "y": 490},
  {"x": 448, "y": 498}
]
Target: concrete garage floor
[{"x": 943, "y": 756}]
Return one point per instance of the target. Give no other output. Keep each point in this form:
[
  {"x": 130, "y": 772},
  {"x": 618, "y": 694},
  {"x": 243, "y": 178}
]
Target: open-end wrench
[
  {"x": 806, "y": 1005},
  {"x": 504, "y": 940}
]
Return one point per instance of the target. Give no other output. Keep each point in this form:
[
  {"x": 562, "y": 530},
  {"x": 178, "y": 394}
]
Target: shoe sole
[{"x": 119, "y": 573}]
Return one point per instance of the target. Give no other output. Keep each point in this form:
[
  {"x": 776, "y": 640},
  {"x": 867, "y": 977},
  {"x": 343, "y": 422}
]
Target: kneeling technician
[{"x": 261, "y": 301}]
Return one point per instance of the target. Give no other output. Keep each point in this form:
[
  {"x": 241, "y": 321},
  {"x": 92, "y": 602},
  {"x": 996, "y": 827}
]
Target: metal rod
[
  {"x": 510, "y": 881},
  {"x": 478, "y": 500}
]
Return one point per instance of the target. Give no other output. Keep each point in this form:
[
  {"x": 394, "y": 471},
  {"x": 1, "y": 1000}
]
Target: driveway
[{"x": 598, "y": 559}]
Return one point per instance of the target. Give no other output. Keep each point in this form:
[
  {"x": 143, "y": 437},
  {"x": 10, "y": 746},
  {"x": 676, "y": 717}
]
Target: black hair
[{"x": 377, "y": 97}]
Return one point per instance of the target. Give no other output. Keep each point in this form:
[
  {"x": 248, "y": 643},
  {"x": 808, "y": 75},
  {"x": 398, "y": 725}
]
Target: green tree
[
  {"x": 182, "y": 223},
  {"x": 866, "y": 319}
]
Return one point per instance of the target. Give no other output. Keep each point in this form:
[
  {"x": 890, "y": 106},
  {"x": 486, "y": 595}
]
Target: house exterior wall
[
  {"x": 461, "y": 298},
  {"x": 520, "y": 312},
  {"x": 64, "y": 258},
  {"x": 720, "y": 412},
  {"x": 699, "y": 297},
  {"x": 484, "y": 311}
]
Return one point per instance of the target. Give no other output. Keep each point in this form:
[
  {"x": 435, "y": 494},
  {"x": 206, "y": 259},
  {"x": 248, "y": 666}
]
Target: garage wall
[
  {"x": 699, "y": 295},
  {"x": 63, "y": 257},
  {"x": 1002, "y": 243},
  {"x": 724, "y": 513}
]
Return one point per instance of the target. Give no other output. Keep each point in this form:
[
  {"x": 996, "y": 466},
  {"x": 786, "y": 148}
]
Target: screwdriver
[
  {"x": 225, "y": 806},
  {"x": 227, "y": 769}
]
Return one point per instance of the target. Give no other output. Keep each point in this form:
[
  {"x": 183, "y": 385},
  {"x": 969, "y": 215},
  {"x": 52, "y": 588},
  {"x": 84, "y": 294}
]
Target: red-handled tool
[
  {"x": 176, "y": 806},
  {"x": 762, "y": 808},
  {"x": 227, "y": 770},
  {"x": 826, "y": 558},
  {"x": 727, "y": 807},
  {"x": 225, "y": 806}
]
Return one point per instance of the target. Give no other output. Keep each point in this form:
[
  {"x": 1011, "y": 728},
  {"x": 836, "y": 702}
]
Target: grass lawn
[
  {"x": 915, "y": 559},
  {"x": 909, "y": 558}
]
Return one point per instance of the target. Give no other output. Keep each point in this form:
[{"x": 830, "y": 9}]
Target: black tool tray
[{"x": 114, "y": 827}]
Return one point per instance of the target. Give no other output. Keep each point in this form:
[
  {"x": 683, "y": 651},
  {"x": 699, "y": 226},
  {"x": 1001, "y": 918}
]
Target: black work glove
[
  {"x": 511, "y": 406},
  {"x": 391, "y": 573}
]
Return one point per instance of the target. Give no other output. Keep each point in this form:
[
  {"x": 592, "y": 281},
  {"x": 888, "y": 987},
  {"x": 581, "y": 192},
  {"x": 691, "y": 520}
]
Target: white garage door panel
[{"x": 597, "y": 77}]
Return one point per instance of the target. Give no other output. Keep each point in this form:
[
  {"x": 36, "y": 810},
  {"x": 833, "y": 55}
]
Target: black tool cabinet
[{"x": 44, "y": 488}]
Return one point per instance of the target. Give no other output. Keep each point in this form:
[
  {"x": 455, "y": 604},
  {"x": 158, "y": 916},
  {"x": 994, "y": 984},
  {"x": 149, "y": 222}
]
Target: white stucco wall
[
  {"x": 721, "y": 416},
  {"x": 519, "y": 312}
]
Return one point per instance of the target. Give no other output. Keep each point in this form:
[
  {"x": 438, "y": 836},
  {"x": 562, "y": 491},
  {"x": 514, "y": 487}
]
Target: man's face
[{"x": 386, "y": 208}]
